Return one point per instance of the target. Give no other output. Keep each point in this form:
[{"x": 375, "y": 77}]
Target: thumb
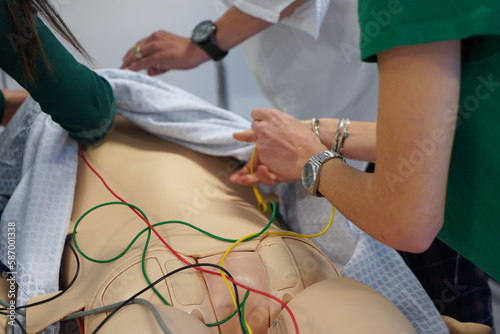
[{"x": 246, "y": 136}]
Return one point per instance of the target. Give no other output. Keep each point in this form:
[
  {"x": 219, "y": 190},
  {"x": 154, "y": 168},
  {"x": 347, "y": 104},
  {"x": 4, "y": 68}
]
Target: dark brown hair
[{"x": 23, "y": 25}]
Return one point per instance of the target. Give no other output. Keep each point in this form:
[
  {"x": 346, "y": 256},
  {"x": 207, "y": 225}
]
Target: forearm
[
  {"x": 359, "y": 145},
  {"x": 379, "y": 213},
  {"x": 347, "y": 187},
  {"x": 236, "y": 26},
  {"x": 402, "y": 203},
  {"x": 163, "y": 51}
]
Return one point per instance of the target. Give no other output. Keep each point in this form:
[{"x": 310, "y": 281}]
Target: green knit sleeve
[{"x": 76, "y": 97}]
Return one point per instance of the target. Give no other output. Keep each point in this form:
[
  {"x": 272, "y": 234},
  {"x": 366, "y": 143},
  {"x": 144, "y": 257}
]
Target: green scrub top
[
  {"x": 76, "y": 97},
  {"x": 472, "y": 212}
]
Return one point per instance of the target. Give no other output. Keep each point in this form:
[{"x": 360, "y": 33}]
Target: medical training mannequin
[
  {"x": 169, "y": 182},
  {"x": 310, "y": 68}
]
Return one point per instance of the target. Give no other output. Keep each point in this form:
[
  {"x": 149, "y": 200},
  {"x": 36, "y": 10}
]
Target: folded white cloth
[{"x": 38, "y": 162}]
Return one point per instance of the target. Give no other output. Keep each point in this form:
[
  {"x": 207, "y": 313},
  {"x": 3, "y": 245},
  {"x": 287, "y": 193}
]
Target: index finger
[{"x": 246, "y": 136}]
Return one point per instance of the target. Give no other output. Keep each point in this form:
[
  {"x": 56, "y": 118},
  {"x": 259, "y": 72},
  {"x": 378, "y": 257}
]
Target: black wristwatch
[{"x": 204, "y": 36}]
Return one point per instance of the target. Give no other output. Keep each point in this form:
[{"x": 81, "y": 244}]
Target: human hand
[
  {"x": 455, "y": 326},
  {"x": 163, "y": 51},
  {"x": 13, "y": 100},
  {"x": 283, "y": 143},
  {"x": 260, "y": 173}
]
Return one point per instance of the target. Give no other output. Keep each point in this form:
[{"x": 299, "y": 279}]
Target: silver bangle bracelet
[
  {"x": 315, "y": 127},
  {"x": 335, "y": 144},
  {"x": 345, "y": 134}
]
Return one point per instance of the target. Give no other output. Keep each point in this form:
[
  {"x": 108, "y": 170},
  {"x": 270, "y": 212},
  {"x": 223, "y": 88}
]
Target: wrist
[
  {"x": 305, "y": 153},
  {"x": 311, "y": 172},
  {"x": 326, "y": 129},
  {"x": 197, "y": 55},
  {"x": 341, "y": 135}
]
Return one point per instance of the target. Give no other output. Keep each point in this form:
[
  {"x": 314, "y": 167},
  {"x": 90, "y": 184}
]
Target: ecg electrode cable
[
  {"x": 283, "y": 304},
  {"x": 147, "y": 229},
  {"x": 58, "y": 294},
  {"x": 262, "y": 207},
  {"x": 19, "y": 308},
  {"x": 17, "y": 322},
  {"x": 125, "y": 302}
]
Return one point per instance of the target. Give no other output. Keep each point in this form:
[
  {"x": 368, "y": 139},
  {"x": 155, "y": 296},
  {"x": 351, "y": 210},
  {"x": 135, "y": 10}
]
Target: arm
[
  {"x": 419, "y": 91},
  {"x": 235, "y": 26},
  {"x": 77, "y": 98},
  {"x": 361, "y": 143},
  {"x": 163, "y": 51}
]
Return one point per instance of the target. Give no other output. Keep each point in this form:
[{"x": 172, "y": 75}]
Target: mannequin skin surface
[{"x": 172, "y": 183}]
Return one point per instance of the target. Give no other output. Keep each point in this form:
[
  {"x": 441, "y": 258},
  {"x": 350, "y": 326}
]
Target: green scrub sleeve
[
  {"x": 386, "y": 24},
  {"x": 76, "y": 97}
]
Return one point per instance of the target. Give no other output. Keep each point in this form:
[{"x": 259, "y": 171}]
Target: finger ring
[{"x": 137, "y": 52}]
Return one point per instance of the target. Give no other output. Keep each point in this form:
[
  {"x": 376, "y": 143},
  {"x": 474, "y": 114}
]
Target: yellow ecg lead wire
[
  {"x": 263, "y": 207},
  {"x": 261, "y": 204}
]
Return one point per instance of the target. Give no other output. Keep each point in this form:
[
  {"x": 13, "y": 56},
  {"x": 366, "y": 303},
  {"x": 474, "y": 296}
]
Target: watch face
[
  {"x": 312, "y": 171},
  {"x": 202, "y": 32},
  {"x": 308, "y": 176}
]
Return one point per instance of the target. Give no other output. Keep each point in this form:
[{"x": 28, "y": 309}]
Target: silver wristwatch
[{"x": 312, "y": 171}]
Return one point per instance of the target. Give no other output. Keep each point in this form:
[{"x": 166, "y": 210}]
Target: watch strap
[
  {"x": 324, "y": 156},
  {"x": 213, "y": 50},
  {"x": 203, "y": 35},
  {"x": 319, "y": 160}
]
